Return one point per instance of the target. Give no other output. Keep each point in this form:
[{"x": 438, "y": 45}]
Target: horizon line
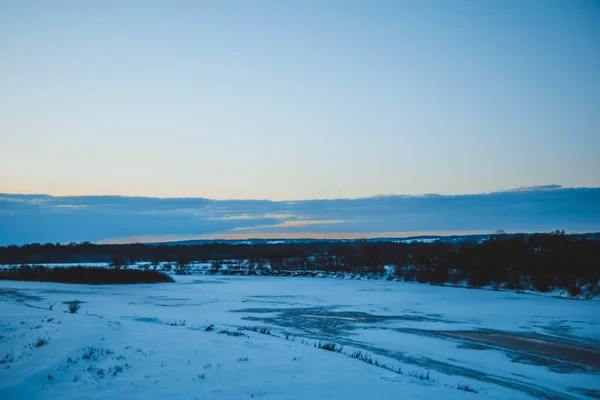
[{"x": 155, "y": 239}]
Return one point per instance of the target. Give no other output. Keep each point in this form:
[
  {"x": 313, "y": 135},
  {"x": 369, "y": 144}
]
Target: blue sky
[
  {"x": 114, "y": 219},
  {"x": 286, "y": 100},
  {"x": 371, "y": 105}
]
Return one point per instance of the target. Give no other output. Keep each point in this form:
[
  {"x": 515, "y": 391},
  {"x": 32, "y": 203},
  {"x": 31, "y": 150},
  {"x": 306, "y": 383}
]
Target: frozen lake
[{"x": 410, "y": 340}]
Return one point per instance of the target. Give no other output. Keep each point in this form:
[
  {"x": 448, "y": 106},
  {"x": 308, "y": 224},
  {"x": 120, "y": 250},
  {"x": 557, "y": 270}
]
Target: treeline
[
  {"x": 516, "y": 260},
  {"x": 130, "y": 253},
  {"x": 83, "y": 275}
]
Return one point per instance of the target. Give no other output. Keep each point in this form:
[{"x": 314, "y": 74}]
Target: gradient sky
[{"x": 297, "y": 99}]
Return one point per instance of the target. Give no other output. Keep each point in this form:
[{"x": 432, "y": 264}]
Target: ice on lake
[{"x": 392, "y": 340}]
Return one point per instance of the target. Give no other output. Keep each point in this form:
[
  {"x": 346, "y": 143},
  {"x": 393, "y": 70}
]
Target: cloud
[
  {"x": 41, "y": 218},
  {"x": 237, "y": 217},
  {"x": 251, "y": 217},
  {"x": 536, "y": 187},
  {"x": 293, "y": 224},
  {"x": 307, "y": 222}
]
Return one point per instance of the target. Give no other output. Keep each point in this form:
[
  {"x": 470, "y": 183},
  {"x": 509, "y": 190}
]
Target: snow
[
  {"x": 418, "y": 240},
  {"x": 150, "y": 341},
  {"x": 240, "y": 266}
]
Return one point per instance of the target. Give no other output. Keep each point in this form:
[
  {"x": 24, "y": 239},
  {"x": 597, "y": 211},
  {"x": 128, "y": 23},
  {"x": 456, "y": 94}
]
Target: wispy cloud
[
  {"x": 536, "y": 187},
  {"x": 252, "y": 217},
  {"x": 293, "y": 224},
  {"x": 236, "y": 217},
  {"x": 308, "y": 222}
]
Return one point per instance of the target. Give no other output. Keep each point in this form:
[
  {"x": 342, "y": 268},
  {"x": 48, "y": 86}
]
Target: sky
[
  {"x": 285, "y": 100},
  {"x": 117, "y": 219}
]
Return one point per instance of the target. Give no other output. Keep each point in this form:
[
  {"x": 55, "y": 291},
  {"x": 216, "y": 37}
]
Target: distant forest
[
  {"x": 518, "y": 261},
  {"x": 83, "y": 275}
]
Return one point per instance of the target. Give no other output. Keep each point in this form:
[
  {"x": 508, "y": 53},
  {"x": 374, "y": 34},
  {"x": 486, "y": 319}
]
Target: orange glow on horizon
[{"x": 299, "y": 235}]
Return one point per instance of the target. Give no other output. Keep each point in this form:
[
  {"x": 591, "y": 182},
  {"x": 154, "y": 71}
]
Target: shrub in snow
[
  {"x": 466, "y": 388},
  {"x": 73, "y": 306},
  {"x": 232, "y": 333},
  {"x": 8, "y": 358},
  {"x": 421, "y": 376},
  {"x": 329, "y": 346},
  {"x": 93, "y": 352}
]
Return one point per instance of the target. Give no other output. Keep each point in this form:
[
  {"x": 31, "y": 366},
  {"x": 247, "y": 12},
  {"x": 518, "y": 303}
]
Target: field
[{"x": 232, "y": 337}]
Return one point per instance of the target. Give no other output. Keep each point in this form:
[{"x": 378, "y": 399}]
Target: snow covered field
[{"x": 391, "y": 340}]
